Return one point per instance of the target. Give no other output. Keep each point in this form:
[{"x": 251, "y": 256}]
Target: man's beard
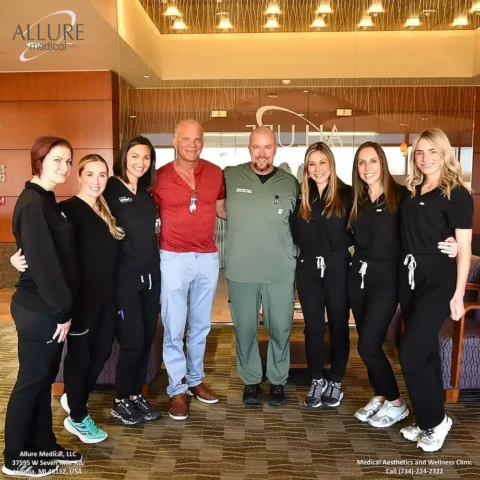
[{"x": 259, "y": 168}]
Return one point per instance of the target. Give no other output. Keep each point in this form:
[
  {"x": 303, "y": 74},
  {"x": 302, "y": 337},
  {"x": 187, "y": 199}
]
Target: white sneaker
[
  {"x": 412, "y": 433},
  {"x": 369, "y": 410},
  {"x": 64, "y": 403},
  {"x": 432, "y": 439},
  {"x": 389, "y": 414}
]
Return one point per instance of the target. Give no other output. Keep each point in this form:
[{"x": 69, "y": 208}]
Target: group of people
[{"x": 92, "y": 270}]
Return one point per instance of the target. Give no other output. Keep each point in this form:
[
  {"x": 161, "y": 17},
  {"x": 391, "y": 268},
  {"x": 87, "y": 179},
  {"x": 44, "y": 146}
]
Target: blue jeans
[{"x": 183, "y": 275}]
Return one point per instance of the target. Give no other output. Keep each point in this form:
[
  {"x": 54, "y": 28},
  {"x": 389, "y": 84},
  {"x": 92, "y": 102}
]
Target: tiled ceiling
[{"x": 249, "y": 16}]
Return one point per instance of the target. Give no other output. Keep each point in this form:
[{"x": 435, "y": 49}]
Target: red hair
[{"x": 42, "y": 147}]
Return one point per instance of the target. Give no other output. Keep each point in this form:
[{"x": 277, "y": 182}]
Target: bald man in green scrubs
[{"x": 260, "y": 264}]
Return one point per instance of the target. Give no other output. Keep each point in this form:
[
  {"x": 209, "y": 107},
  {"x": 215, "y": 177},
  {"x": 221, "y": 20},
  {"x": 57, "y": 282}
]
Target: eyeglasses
[{"x": 193, "y": 201}]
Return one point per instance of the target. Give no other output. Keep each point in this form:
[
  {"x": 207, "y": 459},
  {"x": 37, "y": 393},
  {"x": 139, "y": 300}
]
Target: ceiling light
[
  {"x": 179, "y": 24},
  {"x": 224, "y": 23},
  {"x": 172, "y": 11},
  {"x": 376, "y": 7},
  {"x": 475, "y": 7},
  {"x": 366, "y": 22},
  {"x": 273, "y": 9},
  {"x": 412, "y": 22},
  {"x": 460, "y": 22},
  {"x": 305, "y": 91},
  {"x": 146, "y": 76},
  {"x": 319, "y": 22},
  {"x": 272, "y": 95},
  {"x": 324, "y": 7},
  {"x": 134, "y": 66},
  {"x": 133, "y": 116},
  {"x": 272, "y": 22}
]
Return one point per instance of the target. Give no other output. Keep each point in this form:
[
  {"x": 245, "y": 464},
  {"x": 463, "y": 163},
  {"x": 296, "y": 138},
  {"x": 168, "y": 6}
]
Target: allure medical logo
[{"x": 56, "y": 31}]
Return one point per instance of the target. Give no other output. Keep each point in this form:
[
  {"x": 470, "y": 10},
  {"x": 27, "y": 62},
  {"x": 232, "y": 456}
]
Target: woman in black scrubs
[
  {"x": 138, "y": 276},
  {"x": 432, "y": 286},
  {"x": 372, "y": 281},
  {"x": 319, "y": 228},
  {"x": 41, "y": 309}
]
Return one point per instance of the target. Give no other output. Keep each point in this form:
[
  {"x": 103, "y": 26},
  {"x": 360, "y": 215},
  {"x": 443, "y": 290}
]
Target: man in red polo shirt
[{"x": 189, "y": 193}]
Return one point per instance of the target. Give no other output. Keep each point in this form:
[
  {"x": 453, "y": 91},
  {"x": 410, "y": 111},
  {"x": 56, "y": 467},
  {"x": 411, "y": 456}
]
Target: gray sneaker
[
  {"x": 369, "y": 410},
  {"x": 333, "y": 394},
  {"x": 314, "y": 396},
  {"x": 389, "y": 414}
]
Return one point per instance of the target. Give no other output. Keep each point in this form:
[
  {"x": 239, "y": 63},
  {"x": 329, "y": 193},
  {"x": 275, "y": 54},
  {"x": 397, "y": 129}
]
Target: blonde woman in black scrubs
[{"x": 432, "y": 285}]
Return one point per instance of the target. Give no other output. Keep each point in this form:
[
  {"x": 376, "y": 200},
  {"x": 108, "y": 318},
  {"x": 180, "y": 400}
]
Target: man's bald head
[
  {"x": 188, "y": 140},
  {"x": 262, "y": 147}
]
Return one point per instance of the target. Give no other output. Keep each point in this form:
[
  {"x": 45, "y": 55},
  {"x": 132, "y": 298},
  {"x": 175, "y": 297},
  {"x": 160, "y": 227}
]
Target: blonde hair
[
  {"x": 451, "y": 171},
  {"x": 333, "y": 202},
  {"x": 101, "y": 205},
  {"x": 360, "y": 188}
]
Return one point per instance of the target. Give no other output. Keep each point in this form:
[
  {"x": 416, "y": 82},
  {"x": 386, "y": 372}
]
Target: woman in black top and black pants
[
  {"x": 138, "y": 276},
  {"x": 319, "y": 228},
  {"x": 41, "y": 308},
  {"x": 432, "y": 286}
]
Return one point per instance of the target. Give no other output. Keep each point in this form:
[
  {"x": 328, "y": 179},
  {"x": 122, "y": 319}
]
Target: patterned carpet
[{"x": 229, "y": 441}]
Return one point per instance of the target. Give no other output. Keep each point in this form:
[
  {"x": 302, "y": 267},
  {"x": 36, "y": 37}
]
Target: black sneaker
[
  {"x": 252, "y": 395},
  {"x": 333, "y": 394},
  {"x": 62, "y": 456},
  {"x": 29, "y": 469},
  {"x": 144, "y": 407},
  {"x": 127, "y": 413},
  {"x": 277, "y": 396}
]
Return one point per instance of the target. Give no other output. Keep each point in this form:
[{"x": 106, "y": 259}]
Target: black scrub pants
[
  {"x": 138, "y": 300},
  {"x": 317, "y": 293},
  {"x": 28, "y": 422},
  {"x": 424, "y": 308},
  {"x": 88, "y": 348},
  {"x": 373, "y": 306}
]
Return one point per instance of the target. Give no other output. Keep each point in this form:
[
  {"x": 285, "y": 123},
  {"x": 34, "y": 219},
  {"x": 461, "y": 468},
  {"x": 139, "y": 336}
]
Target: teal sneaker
[{"x": 87, "y": 430}]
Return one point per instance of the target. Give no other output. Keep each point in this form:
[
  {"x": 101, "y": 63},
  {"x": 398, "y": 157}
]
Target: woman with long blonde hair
[
  {"x": 432, "y": 286},
  {"x": 91, "y": 335},
  {"x": 319, "y": 229}
]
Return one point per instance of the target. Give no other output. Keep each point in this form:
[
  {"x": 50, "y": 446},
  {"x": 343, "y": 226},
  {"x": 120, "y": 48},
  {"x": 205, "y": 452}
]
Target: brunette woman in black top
[
  {"x": 319, "y": 228},
  {"x": 372, "y": 282},
  {"x": 41, "y": 308},
  {"x": 138, "y": 276}
]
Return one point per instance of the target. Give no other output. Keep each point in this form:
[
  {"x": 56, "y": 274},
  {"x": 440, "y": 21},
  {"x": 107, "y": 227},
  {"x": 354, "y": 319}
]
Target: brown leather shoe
[
  {"x": 203, "y": 393},
  {"x": 178, "y": 409}
]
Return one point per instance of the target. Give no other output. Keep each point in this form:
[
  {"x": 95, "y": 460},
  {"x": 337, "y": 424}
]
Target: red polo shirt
[{"x": 182, "y": 231}]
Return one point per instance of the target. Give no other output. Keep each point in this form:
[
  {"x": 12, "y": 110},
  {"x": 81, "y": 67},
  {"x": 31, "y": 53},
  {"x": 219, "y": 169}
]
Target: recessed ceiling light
[
  {"x": 305, "y": 91},
  {"x": 376, "y": 7},
  {"x": 133, "y": 116},
  {"x": 272, "y": 22},
  {"x": 319, "y": 22},
  {"x": 134, "y": 66},
  {"x": 179, "y": 24},
  {"x": 273, "y": 8},
  {"x": 272, "y": 95},
  {"x": 366, "y": 22},
  {"x": 412, "y": 22},
  {"x": 324, "y": 7},
  {"x": 460, "y": 22},
  {"x": 146, "y": 76}
]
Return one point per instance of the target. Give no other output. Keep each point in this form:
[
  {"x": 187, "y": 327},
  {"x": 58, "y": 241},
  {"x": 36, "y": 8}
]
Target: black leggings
[
  {"x": 424, "y": 309},
  {"x": 373, "y": 308},
  {"x": 87, "y": 352},
  {"x": 317, "y": 293},
  {"x": 138, "y": 300}
]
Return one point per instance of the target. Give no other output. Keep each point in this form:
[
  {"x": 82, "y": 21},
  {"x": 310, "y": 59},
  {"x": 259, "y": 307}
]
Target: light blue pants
[{"x": 189, "y": 283}]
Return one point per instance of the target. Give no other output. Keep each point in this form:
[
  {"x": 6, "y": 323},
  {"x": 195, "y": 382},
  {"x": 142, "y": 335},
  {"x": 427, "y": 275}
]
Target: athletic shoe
[
  {"x": 277, "y": 396},
  {"x": 389, "y": 414},
  {"x": 64, "y": 403},
  {"x": 86, "y": 430},
  {"x": 314, "y": 396},
  {"x": 127, "y": 413},
  {"x": 369, "y": 410},
  {"x": 32, "y": 471},
  {"x": 412, "y": 433},
  {"x": 333, "y": 394},
  {"x": 144, "y": 407},
  {"x": 433, "y": 438},
  {"x": 252, "y": 395}
]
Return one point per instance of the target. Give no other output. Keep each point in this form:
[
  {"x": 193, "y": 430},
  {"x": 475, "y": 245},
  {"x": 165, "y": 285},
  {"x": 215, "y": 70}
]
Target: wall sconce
[
  {"x": 404, "y": 149},
  {"x": 2, "y": 173}
]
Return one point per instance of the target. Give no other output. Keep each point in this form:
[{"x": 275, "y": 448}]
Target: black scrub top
[
  {"x": 323, "y": 235},
  {"x": 430, "y": 218},
  {"x": 376, "y": 230}
]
